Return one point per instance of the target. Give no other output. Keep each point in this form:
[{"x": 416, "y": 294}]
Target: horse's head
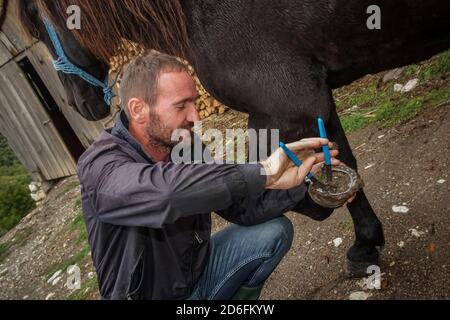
[{"x": 88, "y": 100}]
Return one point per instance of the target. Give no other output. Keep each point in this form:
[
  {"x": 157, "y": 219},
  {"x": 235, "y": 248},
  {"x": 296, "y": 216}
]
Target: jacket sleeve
[
  {"x": 123, "y": 192},
  {"x": 258, "y": 209}
]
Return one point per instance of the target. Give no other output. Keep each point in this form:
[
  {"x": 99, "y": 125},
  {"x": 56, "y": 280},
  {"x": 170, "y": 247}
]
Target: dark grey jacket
[{"x": 149, "y": 223}]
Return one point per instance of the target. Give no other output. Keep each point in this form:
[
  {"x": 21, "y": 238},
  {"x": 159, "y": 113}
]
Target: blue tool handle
[
  {"x": 293, "y": 157},
  {"x": 325, "y": 148}
]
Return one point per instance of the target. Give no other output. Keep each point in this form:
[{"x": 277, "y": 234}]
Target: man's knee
[{"x": 280, "y": 232}]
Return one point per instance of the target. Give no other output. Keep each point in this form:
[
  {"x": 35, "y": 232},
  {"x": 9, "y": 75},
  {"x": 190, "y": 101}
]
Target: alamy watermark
[
  {"x": 374, "y": 279},
  {"x": 233, "y": 147},
  {"x": 73, "y": 277},
  {"x": 374, "y": 20},
  {"x": 73, "y": 22}
]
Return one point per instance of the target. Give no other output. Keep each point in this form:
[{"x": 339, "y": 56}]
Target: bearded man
[{"x": 149, "y": 219}]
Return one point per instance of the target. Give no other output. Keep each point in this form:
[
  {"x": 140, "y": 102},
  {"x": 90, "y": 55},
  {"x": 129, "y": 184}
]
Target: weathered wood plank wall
[
  {"x": 23, "y": 119},
  {"x": 27, "y": 127}
]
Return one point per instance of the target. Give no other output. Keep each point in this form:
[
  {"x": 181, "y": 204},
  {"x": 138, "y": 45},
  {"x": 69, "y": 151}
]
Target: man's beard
[{"x": 160, "y": 135}]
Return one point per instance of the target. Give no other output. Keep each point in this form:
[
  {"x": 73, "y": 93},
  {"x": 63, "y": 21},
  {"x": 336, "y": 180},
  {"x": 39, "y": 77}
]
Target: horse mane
[
  {"x": 23, "y": 12},
  {"x": 3, "y": 8},
  {"x": 105, "y": 24}
]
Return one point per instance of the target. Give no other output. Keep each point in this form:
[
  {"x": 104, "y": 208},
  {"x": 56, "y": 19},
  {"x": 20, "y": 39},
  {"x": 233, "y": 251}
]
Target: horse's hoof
[{"x": 360, "y": 269}]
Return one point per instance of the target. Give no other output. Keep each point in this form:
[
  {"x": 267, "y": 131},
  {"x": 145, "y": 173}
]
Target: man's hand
[{"x": 280, "y": 170}]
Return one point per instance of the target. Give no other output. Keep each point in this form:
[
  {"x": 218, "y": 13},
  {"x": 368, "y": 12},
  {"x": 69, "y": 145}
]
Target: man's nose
[{"x": 193, "y": 115}]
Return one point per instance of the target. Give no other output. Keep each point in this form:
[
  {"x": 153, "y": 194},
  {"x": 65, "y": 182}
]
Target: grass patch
[
  {"x": 390, "y": 113},
  {"x": 75, "y": 260},
  {"x": 86, "y": 290},
  {"x": 439, "y": 67},
  {"x": 436, "y": 68},
  {"x": 438, "y": 97},
  {"x": 15, "y": 200},
  {"x": 78, "y": 226},
  {"x": 386, "y": 108},
  {"x": 88, "y": 286},
  {"x": 77, "y": 204},
  {"x": 411, "y": 71},
  {"x": 354, "y": 122},
  {"x": 359, "y": 98}
]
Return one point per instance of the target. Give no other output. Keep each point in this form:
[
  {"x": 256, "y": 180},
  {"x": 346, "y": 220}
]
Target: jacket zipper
[
  {"x": 197, "y": 241},
  {"x": 197, "y": 237}
]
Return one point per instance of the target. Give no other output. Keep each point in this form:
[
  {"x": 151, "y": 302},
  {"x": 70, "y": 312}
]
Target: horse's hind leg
[{"x": 368, "y": 228}]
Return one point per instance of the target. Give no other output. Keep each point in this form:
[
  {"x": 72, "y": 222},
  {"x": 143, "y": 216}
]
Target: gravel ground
[{"x": 403, "y": 166}]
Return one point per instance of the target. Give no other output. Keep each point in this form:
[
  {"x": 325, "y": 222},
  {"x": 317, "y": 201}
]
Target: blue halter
[{"x": 64, "y": 65}]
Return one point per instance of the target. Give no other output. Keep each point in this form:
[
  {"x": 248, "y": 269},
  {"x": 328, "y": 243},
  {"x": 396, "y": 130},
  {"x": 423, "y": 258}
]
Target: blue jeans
[{"x": 243, "y": 256}]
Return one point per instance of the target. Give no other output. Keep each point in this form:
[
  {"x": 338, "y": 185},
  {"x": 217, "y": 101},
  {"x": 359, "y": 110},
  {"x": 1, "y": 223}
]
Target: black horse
[{"x": 276, "y": 60}]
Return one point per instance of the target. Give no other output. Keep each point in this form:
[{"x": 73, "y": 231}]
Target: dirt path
[{"x": 407, "y": 165}]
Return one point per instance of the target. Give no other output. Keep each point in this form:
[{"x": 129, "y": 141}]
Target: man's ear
[{"x": 137, "y": 110}]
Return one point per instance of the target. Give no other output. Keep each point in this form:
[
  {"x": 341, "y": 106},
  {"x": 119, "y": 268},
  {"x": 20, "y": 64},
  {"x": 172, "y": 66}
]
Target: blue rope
[{"x": 64, "y": 65}]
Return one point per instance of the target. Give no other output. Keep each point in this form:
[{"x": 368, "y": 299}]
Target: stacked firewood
[{"x": 206, "y": 104}]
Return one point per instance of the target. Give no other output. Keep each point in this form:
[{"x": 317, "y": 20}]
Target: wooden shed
[{"x": 46, "y": 134}]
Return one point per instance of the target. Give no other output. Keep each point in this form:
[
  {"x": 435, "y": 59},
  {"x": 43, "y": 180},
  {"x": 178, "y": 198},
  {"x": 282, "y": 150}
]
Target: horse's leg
[
  {"x": 368, "y": 228},
  {"x": 288, "y": 94}
]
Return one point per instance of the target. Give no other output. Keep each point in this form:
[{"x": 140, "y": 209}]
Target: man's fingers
[
  {"x": 322, "y": 142},
  {"x": 335, "y": 162},
  {"x": 318, "y": 166},
  {"x": 310, "y": 143},
  {"x": 321, "y": 157},
  {"x": 280, "y": 154},
  {"x": 306, "y": 167},
  {"x": 274, "y": 164}
]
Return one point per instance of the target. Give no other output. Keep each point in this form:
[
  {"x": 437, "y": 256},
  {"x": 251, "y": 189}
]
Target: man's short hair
[{"x": 141, "y": 75}]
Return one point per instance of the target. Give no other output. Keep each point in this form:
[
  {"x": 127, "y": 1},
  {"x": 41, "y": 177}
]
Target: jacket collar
[{"x": 120, "y": 130}]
